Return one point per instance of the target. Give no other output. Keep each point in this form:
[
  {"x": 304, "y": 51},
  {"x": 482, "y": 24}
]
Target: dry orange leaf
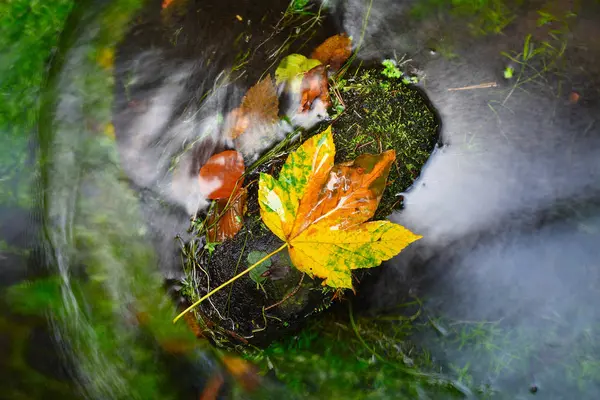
[
  {"x": 232, "y": 218},
  {"x": 260, "y": 103},
  {"x": 222, "y": 170},
  {"x": 334, "y": 51},
  {"x": 314, "y": 85}
]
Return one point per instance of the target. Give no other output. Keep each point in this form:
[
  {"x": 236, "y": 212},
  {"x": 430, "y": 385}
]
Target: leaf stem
[{"x": 250, "y": 268}]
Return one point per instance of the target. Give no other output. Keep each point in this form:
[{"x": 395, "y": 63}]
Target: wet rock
[{"x": 381, "y": 114}]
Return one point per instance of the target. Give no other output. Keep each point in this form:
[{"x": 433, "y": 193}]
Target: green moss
[
  {"x": 381, "y": 114},
  {"x": 348, "y": 358}
]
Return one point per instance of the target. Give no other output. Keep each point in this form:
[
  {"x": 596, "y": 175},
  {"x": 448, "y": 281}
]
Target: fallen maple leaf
[
  {"x": 291, "y": 70},
  {"x": 320, "y": 210},
  {"x": 334, "y": 51},
  {"x": 260, "y": 103},
  {"x": 221, "y": 172},
  {"x": 314, "y": 85},
  {"x": 226, "y": 217}
]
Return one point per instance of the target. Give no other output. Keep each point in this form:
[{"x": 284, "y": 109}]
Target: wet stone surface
[{"x": 394, "y": 116}]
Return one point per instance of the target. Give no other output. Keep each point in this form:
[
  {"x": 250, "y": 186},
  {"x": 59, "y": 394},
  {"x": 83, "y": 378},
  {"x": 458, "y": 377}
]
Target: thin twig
[
  {"x": 221, "y": 286},
  {"x": 480, "y": 86},
  {"x": 287, "y": 296}
]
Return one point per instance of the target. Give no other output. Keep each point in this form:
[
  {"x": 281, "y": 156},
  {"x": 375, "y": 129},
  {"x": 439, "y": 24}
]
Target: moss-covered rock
[{"x": 381, "y": 114}]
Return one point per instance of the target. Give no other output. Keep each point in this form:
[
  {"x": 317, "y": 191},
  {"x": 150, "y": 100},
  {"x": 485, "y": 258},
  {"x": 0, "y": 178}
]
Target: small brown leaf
[
  {"x": 232, "y": 218},
  {"x": 334, "y": 51},
  {"x": 225, "y": 168},
  {"x": 574, "y": 97},
  {"x": 314, "y": 85},
  {"x": 260, "y": 103}
]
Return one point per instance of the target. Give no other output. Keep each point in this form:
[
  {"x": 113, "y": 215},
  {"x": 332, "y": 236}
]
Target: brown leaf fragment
[
  {"x": 245, "y": 373},
  {"x": 239, "y": 121},
  {"x": 334, "y": 51},
  {"x": 314, "y": 85},
  {"x": 213, "y": 387},
  {"x": 260, "y": 104},
  {"x": 232, "y": 217},
  {"x": 574, "y": 97},
  {"x": 193, "y": 324}
]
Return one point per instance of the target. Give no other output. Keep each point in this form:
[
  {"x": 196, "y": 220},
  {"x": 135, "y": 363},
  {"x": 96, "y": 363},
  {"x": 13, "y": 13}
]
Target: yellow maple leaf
[{"x": 321, "y": 211}]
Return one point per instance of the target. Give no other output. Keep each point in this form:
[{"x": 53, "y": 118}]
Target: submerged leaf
[
  {"x": 314, "y": 85},
  {"x": 260, "y": 103},
  {"x": 221, "y": 174},
  {"x": 320, "y": 210},
  {"x": 231, "y": 218},
  {"x": 106, "y": 57},
  {"x": 334, "y": 51},
  {"x": 256, "y": 273},
  {"x": 262, "y": 99},
  {"x": 291, "y": 69}
]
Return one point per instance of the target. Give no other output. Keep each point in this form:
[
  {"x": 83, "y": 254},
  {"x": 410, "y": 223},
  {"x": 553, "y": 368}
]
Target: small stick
[
  {"x": 363, "y": 145},
  {"x": 480, "y": 86},
  {"x": 221, "y": 286},
  {"x": 290, "y": 294}
]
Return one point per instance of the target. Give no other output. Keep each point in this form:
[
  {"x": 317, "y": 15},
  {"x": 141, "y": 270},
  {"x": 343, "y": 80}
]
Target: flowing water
[{"x": 509, "y": 205}]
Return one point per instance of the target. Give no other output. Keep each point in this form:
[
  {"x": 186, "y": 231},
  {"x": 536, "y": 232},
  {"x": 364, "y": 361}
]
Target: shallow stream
[{"x": 507, "y": 276}]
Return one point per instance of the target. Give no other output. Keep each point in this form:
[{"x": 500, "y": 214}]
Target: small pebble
[{"x": 533, "y": 389}]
